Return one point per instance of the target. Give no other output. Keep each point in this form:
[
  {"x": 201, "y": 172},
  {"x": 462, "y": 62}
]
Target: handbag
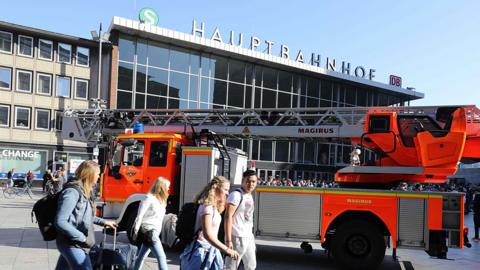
[{"x": 145, "y": 236}]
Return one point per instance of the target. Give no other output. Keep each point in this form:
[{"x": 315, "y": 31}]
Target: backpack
[
  {"x": 45, "y": 210},
  {"x": 221, "y": 230},
  {"x": 185, "y": 228}
]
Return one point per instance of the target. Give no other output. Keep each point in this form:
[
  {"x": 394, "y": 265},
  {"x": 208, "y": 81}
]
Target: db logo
[{"x": 395, "y": 80}]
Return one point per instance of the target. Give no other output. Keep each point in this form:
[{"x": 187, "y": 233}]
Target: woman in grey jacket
[{"x": 75, "y": 218}]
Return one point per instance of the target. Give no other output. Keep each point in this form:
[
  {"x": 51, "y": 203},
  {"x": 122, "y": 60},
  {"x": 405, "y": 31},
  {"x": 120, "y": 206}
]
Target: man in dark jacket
[{"x": 476, "y": 213}]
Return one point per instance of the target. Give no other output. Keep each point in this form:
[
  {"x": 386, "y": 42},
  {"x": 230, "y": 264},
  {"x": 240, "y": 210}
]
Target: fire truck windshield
[{"x": 131, "y": 155}]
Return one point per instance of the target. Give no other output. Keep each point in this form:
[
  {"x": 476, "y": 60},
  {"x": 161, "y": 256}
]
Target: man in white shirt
[{"x": 239, "y": 223}]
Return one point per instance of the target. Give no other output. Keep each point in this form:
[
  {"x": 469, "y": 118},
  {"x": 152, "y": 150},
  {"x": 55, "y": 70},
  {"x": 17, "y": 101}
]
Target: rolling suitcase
[{"x": 118, "y": 256}]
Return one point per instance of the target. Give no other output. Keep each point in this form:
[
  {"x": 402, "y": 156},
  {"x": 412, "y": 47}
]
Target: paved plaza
[{"x": 21, "y": 247}]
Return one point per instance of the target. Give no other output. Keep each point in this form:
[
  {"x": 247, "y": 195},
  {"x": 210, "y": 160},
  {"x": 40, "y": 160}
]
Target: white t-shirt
[
  {"x": 150, "y": 214},
  {"x": 213, "y": 212},
  {"x": 243, "y": 218}
]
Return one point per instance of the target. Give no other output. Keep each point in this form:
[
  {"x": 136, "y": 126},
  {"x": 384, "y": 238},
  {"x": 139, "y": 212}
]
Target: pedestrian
[
  {"x": 47, "y": 176},
  {"x": 75, "y": 218},
  {"x": 468, "y": 198},
  {"x": 29, "y": 177},
  {"x": 204, "y": 251},
  {"x": 10, "y": 177},
  {"x": 476, "y": 214},
  {"x": 239, "y": 224},
  {"x": 148, "y": 223}
]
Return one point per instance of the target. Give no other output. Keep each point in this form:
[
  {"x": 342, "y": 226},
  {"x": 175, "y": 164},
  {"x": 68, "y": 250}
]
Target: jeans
[
  {"x": 157, "y": 251},
  {"x": 72, "y": 258}
]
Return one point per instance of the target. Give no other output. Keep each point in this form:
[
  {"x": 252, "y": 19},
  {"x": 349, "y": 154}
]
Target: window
[
  {"x": 133, "y": 155},
  {"x": 25, "y": 46},
  {"x": 81, "y": 89},
  {"x": 4, "y": 115},
  {"x": 42, "y": 121},
  {"x": 83, "y": 56},
  {"x": 63, "y": 86},
  {"x": 64, "y": 53},
  {"x": 45, "y": 49},
  {"x": 44, "y": 84},
  {"x": 5, "y": 78},
  {"x": 22, "y": 117},
  {"x": 58, "y": 120},
  {"x": 6, "y": 42},
  {"x": 158, "y": 154},
  {"x": 24, "y": 81}
]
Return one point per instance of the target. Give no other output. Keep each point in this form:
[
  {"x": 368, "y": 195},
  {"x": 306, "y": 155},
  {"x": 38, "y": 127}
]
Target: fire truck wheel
[{"x": 358, "y": 244}]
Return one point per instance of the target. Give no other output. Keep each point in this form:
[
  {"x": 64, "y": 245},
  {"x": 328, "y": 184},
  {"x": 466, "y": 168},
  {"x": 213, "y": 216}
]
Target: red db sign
[{"x": 395, "y": 80}]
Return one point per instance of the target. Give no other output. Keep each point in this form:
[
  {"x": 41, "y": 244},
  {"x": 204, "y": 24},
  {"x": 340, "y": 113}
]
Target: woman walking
[
  {"x": 148, "y": 223},
  {"x": 75, "y": 218},
  {"x": 204, "y": 252}
]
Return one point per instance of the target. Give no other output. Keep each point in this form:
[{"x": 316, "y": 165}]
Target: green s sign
[{"x": 148, "y": 16}]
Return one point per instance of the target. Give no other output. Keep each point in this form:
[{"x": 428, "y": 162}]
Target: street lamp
[{"x": 100, "y": 38}]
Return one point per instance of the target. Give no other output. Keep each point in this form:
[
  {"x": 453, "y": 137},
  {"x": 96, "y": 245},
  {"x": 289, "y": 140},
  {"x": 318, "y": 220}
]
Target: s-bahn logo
[{"x": 316, "y": 130}]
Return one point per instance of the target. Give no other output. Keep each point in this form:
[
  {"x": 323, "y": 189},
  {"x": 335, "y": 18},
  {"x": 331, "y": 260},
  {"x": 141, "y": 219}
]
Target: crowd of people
[{"x": 287, "y": 182}]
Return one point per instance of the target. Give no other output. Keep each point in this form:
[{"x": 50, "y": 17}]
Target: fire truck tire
[{"x": 358, "y": 244}]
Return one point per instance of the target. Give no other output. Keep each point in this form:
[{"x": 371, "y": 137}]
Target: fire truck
[{"x": 354, "y": 223}]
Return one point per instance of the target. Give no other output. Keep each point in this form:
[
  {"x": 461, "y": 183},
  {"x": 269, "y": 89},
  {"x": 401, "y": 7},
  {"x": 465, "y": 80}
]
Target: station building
[
  {"x": 158, "y": 68},
  {"x": 41, "y": 74}
]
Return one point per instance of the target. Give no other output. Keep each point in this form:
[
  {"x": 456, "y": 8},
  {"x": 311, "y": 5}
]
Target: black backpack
[
  {"x": 45, "y": 210},
  {"x": 185, "y": 228}
]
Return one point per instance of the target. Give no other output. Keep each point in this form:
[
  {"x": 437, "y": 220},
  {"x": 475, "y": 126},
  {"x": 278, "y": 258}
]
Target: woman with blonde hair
[
  {"x": 204, "y": 251},
  {"x": 148, "y": 223},
  {"x": 75, "y": 218}
]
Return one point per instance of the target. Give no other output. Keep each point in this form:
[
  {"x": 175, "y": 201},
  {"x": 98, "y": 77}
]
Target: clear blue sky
[{"x": 433, "y": 45}]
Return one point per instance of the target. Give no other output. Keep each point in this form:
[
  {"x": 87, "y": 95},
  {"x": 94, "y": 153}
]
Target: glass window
[
  {"x": 157, "y": 55},
  {"x": 6, "y": 42},
  {"x": 44, "y": 84},
  {"x": 219, "y": 67},
  {"x": 235, "y": 95},
  {"x": 309, "y": 152},
  {"x": 194, "y": 63},
  {"x": 178, "y": 87},
  {"x": 124, "y": 100},
  {"x": 323, "y": 153},
  {"x": 58, "y": 120},
  {"x": 63, "y": 86},
  {"x": 25, "y": 46},
  {"x": 312, "y": 102},
  {"x": 45, "y": 49},
  {"x": 326, "y": 93},
  {"x": 193, "y": 94},
  {"x": 313, "y": 88},
  {"x": 126, "y": 48},
  {"x": 133, "y": 155},
  {"x": 174, "y": 103},
  {"x": 205, "y": 65},
  {"x": 249, "y": 74},
  {"x": 361, "y": 97},
  {"x": 24, "y": 81},
  {"x": 139, "y": 101},
  {"x": 281, "y": 151},
  {"x": 22, "y": 117},
  {"x": 219, "y": 92},
  {"x": 158, "y": 154},
  {"x": 125, "y": 76},
  {"x": 81, "y": 89},
  {"x": 300, "y": 152},
  {"x": 157, "y": 81},
  {"x": 269, "y": 78},
  {"x": 236, "y": 70},
  {"x": 4, "y": 115},
  {"x": 142, "y": 50},
  {"x": 258, "y": 97},
  {"x": 141, "y": 80},
  {"x": 204, "y": 90},
  {"x": 269, "y": 98},
  {"x": 5, "y": 78},
  {"x": 248, "y": 96},
  {"x": 266, "y": 150},
  {"x": 284, "y": 100},
  {"x": 64, "y": 53},
  {"x": 83, "y": 56},
  {"x": 42, "y": 119},
  {"x": 154, "y": 102},
  {"x": 254, "y": 149},
  {"x": 284, "y": 81},
  {"x": 179, "y": 59}
]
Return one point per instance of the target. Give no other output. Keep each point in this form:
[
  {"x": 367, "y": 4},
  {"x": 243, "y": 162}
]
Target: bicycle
[{"x": 8, "y": 191}]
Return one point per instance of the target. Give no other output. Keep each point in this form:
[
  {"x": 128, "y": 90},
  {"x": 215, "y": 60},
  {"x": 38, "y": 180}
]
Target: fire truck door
[
  {"x": 157, "y": 163},
  {"x": 133, "y": 166}
]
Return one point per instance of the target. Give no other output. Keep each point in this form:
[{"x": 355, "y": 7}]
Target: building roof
[
  {"x": 210, "y": 46},
  {"x": 26, "y": 30}
]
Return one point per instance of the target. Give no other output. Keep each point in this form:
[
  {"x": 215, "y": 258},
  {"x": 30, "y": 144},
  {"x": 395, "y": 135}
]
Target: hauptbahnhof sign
[{"x": 254, "y": 44}]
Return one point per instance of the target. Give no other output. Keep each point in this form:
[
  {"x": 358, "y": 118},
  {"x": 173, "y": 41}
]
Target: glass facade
[{"x": 153, "y": 75}]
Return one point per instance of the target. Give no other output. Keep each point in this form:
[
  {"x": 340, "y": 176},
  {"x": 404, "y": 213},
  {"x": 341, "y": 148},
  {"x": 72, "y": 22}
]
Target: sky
[{"x": 433, "y": 45}]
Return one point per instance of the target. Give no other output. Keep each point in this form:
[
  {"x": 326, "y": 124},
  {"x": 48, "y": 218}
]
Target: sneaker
[{"x": 476, "y": 239}]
